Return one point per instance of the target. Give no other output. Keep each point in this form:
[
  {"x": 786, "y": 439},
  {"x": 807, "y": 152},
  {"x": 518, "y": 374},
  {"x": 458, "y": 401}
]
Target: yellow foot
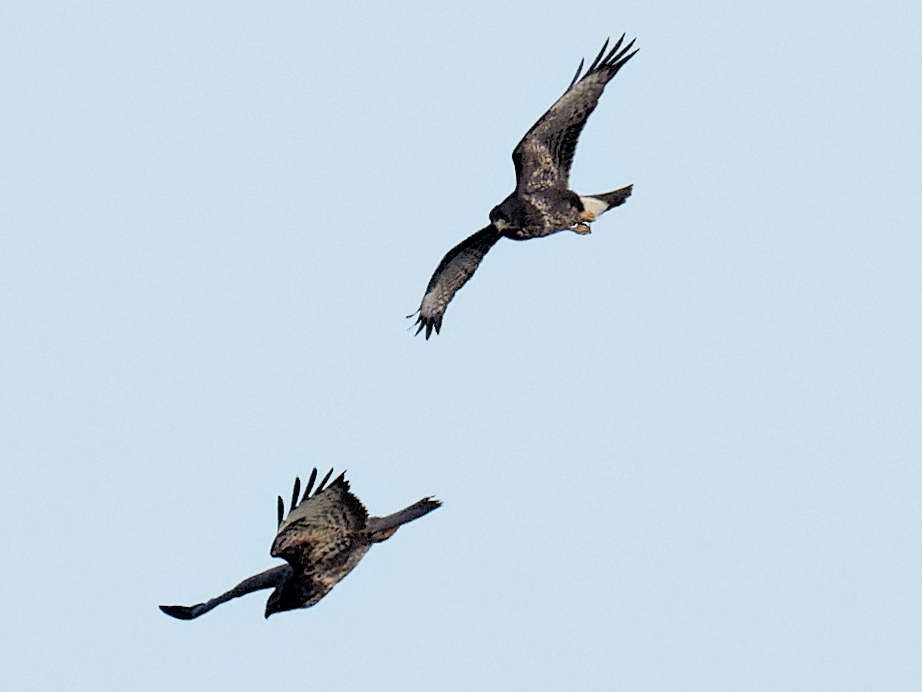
[
  {"x": 586, "y": 215},
  {"x": 581, "y": 228}
]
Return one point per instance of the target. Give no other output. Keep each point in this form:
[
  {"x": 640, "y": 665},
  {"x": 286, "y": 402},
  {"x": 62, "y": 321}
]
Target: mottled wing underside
[
  {"x": 458, "y": 265},
  {"x": 320, "y": 525},
  {"x": 544, "y": 156}
]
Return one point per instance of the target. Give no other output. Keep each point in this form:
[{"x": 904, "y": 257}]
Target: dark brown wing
[
  {"x": 269, "y": 579},
  {"x": 456, "y": 267},
  {"x": 320, "y": 525},
  {"x": 544, "y": 156}
]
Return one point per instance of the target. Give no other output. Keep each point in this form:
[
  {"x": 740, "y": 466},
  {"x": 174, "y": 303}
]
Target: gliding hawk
[
  {"x": 541, "y": 203},
  {"x": 322, "y": 539}
]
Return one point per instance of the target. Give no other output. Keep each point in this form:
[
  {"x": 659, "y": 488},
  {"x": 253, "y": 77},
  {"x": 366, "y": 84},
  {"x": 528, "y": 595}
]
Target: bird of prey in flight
[
  {"x": 323, "y": 537},
  {"x": 541, "y": 203}
]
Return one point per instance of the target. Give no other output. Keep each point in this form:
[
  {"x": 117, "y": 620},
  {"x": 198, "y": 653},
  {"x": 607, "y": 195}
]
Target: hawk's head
[{"x": 499, "y": 218}]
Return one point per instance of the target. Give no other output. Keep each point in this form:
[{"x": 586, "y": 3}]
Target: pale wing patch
[{"x": 434, "y": 303}]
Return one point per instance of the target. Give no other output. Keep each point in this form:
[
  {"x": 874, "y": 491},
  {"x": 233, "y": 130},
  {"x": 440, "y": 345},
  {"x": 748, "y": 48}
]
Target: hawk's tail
[{"x": 599, "y": 204}]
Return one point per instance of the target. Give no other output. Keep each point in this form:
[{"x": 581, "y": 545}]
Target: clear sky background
[{"x": 682, "y": 453}]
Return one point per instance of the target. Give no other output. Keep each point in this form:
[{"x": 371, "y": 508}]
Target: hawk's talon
[{"x": 581, "y": 228}]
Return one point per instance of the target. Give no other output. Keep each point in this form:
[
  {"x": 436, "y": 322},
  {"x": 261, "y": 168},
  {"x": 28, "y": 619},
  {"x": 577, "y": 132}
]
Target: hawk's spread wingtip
[{"x": 178, "y": 612}]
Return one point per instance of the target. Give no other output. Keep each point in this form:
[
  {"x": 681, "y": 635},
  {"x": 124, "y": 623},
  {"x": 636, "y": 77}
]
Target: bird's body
[
  {"x": 542, "y": 202},
  {"x": 323, "y": 537}
]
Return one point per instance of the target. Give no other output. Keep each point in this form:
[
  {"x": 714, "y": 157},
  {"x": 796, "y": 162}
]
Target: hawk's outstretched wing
[
  {"x": 544, "y": 156},
  {"x": 269, "y": 579},
  {"x": 320, "y": 525},
  {"x": 456, "y": 267}
]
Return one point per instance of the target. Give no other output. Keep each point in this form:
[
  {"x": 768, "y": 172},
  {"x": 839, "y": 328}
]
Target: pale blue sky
[{"x": 682, "y": 453}]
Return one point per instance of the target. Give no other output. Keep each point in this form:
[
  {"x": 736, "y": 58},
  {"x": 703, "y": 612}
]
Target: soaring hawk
[
  {"x": 541, "y": 203},
  {"x": 323, "y": 537}
]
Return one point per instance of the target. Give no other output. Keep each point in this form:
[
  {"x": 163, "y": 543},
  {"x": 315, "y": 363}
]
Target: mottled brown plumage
[
  {"x": 541, "y": 203},
  {"x": 322, "y": 539}
]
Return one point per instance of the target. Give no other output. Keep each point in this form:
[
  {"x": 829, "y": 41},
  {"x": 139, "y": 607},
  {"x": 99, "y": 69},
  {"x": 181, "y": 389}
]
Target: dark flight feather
[
  {"x": 295, "y": 493},
  {"x": 310, "y": 484},
  {"x": 324, "y": 481}
]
